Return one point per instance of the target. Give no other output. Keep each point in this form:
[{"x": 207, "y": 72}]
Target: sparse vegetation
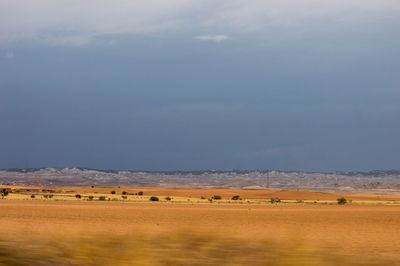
[
  {"x": 102, "y": 197},
  {"x": 4, "y": 193},
  {"x": 124, "y": 193},
  {"x": 216, "y": 197},
  {"x": 113, "y": 192},
  {"x": 168, "y": 198},
  {"x": 124, "y": 197},
  {"x": 78, "y": 196},
  {"x": 236, "y": 197},
  {"x": 275, "y": 200},
  {"x": 90, "y": 197},
  {"x": 32, "y": 196},
  {"x": 341, "y": 201},
  {"x": 140, "y": 193},
  {"x": 154, "y": 198}
]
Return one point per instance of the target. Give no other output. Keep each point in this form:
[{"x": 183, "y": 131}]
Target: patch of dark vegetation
[
  {"x": 154, "y": 198},
  {"x": 342, "y": 201},
  {"x": 275, "y": 200}
]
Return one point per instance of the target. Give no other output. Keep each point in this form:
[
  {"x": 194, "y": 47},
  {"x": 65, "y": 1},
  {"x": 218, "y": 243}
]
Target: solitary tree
[{"x": 341, "y": 201}]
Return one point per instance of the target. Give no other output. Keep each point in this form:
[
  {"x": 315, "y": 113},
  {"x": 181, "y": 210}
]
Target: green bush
[
  {"x": 102, "y": 198},
  {"x": 32, "y": 196},
  {"x": 124, "y": 193},
  {"x": 275, "y": 200},
  {"x": 216, "y": 197},
  {"x": 124, "y": 197},
  {"x": 236, "y": 197},
  {"x": 168, "y": 198},
  {"x": 78, "y": 196},
  {"x": 153, "y": 198},
  {"x": 341, "y": 201},
  {"x": 90, "y": 197},
  {"x": 140, "y": 193},
  {"x": 113, "y": 192}
]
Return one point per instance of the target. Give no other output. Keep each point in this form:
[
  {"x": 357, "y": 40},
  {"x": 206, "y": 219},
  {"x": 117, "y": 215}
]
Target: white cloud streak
[
  {"x": 75, "y": 22},
  {"x": 214, "y": 38}
]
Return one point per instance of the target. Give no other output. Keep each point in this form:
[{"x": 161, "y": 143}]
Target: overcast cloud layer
[{"x": 184, "y": 84}]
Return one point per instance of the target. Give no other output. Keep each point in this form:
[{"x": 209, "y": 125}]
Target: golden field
[{"x": 188, "y": 230}]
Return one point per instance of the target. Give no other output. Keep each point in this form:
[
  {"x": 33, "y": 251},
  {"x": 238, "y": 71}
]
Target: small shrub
[
  {"x": 124, "y": 197},
  {"x": 236, "y": 197},
  {"x": 202, "y": 197},
  {"x": 113, "y": 192},
  {"x": 153, "y": 198},
  {"x": 102, "y": 197},
  {"x": 78, "y": 196},
  {"x": 32, "y": 196},
  {"x": 4, "y": 192},
  {"x": 300, "y": 201},
  {"x": 341, "y": 201},
  {"x": 168, "y": 198},
  {"x": 124, "y": 193},
  {"x": 216, "y": 197},
  {"x": 140, "y": 193},
  {"x": 275, "y": 200},
  {"x": 51, "y": 196},
  {"x": 210, "y": 200},
  {"x": 90, "y": 197},
  {"x": 45, "y": 196}
]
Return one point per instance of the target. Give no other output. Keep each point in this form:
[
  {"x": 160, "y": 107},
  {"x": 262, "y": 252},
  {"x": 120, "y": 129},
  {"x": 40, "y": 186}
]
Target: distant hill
[{"x": 377, "y": 180}]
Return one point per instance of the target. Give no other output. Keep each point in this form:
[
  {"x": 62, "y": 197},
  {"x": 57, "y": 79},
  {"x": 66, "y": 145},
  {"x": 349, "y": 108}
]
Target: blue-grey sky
[{"x": 184, "y": 84}]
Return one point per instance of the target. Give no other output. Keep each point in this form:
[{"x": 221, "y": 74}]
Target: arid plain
[{"x": 188, "y": 227}]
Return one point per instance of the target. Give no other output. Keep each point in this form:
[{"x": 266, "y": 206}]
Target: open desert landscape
[
  {"x": 199, "y": 133},
  {"x": 187, "y": 226}
]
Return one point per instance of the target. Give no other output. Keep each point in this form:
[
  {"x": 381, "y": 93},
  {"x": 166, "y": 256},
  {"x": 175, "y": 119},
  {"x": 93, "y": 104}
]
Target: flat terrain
[
  {"x": 196, "y": 194},
  {"x": 364, "y": 232}
]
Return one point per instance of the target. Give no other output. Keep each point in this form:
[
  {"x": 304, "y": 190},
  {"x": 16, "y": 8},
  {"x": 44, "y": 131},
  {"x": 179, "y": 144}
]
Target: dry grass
[
  {"x": 81, "y": 232},
  {"x": 172, "y": 249}
]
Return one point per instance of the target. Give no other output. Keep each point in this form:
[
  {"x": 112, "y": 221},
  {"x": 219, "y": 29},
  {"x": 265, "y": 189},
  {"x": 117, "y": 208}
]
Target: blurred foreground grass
[{"x": 177, "y": 249}]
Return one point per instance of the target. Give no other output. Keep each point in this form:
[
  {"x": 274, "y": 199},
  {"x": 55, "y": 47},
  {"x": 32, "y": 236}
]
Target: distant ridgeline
[
  {"x": 200, "y": 172},
  {"x": 274, "y": 179}
]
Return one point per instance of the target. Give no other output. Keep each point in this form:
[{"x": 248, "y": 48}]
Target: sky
[{"x": 189, "y": 85}]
